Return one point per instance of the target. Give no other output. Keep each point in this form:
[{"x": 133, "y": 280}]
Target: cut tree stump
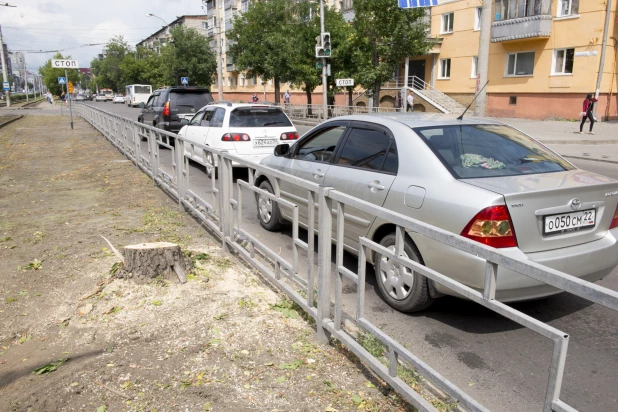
[{"x": 146, "y": 261}]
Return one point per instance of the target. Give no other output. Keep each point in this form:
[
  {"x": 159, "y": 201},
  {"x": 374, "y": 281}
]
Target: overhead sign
[
  {"x": 184, "y": 80},
  {"x": 344, "y": 82},
  {"x": 62, "y": 80},
  {"x": 6, "y": 86},
  {"x": 410, "y": 4},
  {"x": 65, "y": 64}
]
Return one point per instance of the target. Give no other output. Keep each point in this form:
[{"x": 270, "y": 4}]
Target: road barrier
[{"x": 222, "y": 213}]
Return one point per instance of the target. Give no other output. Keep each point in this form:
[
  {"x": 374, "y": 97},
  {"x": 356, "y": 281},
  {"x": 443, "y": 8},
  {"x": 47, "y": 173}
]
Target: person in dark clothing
[{"x": 587, "y": 113}]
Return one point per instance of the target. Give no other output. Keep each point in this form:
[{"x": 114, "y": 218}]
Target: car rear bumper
[{"x": 590, "y": 261}]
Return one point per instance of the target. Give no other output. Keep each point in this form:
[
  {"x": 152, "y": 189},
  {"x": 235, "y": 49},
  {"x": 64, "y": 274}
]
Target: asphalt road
[{"x": 499, "y": 363}]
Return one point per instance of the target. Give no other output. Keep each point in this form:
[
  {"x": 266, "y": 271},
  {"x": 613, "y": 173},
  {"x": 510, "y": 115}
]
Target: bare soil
[{"x": 219, "y": 342}]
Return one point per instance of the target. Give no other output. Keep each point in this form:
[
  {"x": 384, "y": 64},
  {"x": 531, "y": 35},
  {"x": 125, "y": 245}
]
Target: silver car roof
[{"x": 418, "y": 119}]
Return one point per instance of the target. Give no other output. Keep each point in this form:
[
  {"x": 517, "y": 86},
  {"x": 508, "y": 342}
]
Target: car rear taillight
[
  {"x": 289, "y": 136},
  {"x": 614, "y": 223},
  {"x": 166, "y": 109},
  {"x": 236, "y": 137},
  {"x": 492, "y": 226}
]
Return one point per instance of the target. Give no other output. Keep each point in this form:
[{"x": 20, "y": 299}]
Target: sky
[{"x": 68, "y": 25}]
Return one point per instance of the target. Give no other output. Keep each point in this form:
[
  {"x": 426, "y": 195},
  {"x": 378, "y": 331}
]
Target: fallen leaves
[{"x": 49, "y": 368}]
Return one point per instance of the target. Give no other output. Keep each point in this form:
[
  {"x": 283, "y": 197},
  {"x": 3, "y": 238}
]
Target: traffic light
[{"x": 322, "y": 45}]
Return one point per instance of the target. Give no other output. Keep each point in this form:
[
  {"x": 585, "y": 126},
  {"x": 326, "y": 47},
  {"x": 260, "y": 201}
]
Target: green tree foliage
[
  {"x": 50, "y": 75},
  {"x": 188, "y": 54},
  {"x": 264, "y": 41},
  {"x": 108, "y": 71},
  {"x": 383, "y": 35},
  {"x": 143, "y": 66}
]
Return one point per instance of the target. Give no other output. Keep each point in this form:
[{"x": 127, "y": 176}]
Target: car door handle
[
  {"x": 318, "y": 174},
  {"x": 376, "y": 185}
]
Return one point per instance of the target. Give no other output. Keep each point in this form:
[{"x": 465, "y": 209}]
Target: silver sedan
[{"x": 477, "y": 178}]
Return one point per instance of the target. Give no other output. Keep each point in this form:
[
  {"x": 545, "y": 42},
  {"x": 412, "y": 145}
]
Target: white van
[{"x": 137, "y": 93}]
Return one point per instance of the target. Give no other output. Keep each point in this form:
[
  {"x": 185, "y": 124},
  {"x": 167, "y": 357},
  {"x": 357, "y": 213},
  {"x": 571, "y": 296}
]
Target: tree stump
[{"x": 146, "y": 261}]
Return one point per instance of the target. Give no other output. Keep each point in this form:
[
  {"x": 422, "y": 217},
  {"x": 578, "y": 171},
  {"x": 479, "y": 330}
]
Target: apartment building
[
  {"x": 236, "y": 85},
  {"x": 544, "y": 56},
  {"x": 159, "y": 38}
]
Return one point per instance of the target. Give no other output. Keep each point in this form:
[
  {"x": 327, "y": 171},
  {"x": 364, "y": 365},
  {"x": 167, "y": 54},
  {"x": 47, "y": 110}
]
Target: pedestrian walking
[
  {"x": 286, "y": 97},
  {"x": 63, "y": 98},
  {"x": 410, "y": 103},
  {"x": 254, "y": 98},
  {"x": 587, "y": 113}
]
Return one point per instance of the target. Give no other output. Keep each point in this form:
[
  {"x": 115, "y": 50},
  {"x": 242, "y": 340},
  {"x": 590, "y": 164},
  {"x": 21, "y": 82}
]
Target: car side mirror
[
  {"x": 282, "y": 149},
  {"x": 142, "y": 105},
  {"x": 184, "y": 121}
]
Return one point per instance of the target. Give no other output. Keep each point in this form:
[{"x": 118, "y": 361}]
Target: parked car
[
  {"x": 80, "y": 98},
  {"x": 100, "y": 98},
  {"x": 167, "y": 106},
  {"x": 250, "y": 131},
  {"x": 118, "y": 99},
  {"x": 475, "y": 177}
]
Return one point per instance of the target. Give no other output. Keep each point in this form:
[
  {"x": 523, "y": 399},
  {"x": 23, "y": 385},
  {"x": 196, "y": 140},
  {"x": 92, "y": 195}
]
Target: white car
[
  {"x": 118, "y": 99},
  {"x": 246, "y": 130},
  {"x": 100, "y": 98}
]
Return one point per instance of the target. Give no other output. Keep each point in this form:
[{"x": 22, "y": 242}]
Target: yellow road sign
[{"x": 70, "y": 87}]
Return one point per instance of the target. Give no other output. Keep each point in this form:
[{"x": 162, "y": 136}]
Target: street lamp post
[{"x": 152, "y": 15}]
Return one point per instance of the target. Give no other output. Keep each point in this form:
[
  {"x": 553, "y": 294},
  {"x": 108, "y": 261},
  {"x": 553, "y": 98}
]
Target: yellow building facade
[{"x": 544, "y": 56}]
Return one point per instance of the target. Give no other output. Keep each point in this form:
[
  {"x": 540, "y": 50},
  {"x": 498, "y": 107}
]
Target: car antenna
[{"x": 477, "y": 95}]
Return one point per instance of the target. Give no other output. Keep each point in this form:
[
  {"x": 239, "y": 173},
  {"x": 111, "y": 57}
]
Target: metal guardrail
[
  {"x": 223, "y": 214},
  {"x": 316, "y": 111}
]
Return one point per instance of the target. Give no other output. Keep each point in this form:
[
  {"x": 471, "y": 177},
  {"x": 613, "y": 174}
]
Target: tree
[
  {"x": 143, "y": 66},
  {"x": 188, "y": 54},
  {"x": 50, "y": 75},
  {"x": 108, "y": 70},
  {"x": 263, "y": 41},
  {"x": 383, "y": 35}
]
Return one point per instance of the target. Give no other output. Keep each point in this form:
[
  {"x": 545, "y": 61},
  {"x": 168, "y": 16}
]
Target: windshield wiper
[{"x": 271, "y": 123}]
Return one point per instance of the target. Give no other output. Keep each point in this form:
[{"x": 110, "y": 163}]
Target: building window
[
  {"x": 254, "y": 80},
  {"x": 563, "y": 61},
  {"x": 235, "y": 81},
  {"x": 512, "y": 100},
  {"x": 568, "y": 8},
  {"x": 229, "y": 81},
  {"x": 447, "y": 23},
  {"x": 520, "y": 64},
  {"x": 347, "y": 4},
  {"x": 474, "y": 71},
  {"x": 477, "y": 18},
  {"x": 513, "y": 9},
  {"x": 445, "y": 69},
  {"x": 205, "y": 25}
]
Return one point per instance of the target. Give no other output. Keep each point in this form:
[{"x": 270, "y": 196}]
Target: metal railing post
[
  {"x": 325, "y": 225},
  {"x": 226, "y": 176},
  {"x": 181, "y": 171}
]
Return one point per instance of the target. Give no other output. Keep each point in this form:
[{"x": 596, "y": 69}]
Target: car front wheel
[
  {"x": 209, "y": 170},
  {"x": 268, "y": 211},
  {"x": 402, "y": 288}
]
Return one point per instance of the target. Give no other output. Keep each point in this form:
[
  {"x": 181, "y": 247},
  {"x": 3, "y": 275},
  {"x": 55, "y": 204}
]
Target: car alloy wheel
[
  {"x": 268, "y": 211},
  {"x": 397, "y": 280},
  {"x": 209, "y": 170}
]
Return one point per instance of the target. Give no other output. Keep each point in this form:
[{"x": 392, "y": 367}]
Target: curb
[{"x": 11, "y": 121}]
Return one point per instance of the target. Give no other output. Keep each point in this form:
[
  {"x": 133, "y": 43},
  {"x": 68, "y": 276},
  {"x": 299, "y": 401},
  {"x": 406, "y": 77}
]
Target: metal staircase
[{"x": 431, "y": 95}]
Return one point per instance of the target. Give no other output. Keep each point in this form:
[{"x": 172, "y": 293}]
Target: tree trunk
[
  {"x": 351, "y": 96},
  {"x": 146, "y": 261},
  {"x": 308, "y": 93},
  {"x": 376, "y": 94},
  {"x": 277, "y": 90}
]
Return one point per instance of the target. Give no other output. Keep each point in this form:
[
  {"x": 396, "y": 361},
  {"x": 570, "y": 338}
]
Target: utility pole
[
  {"x": 5, "y": 77},
  {"x": 482, "y": 63},
  {"x": 26, "y": 78},
  {"x": 220, "y": 60},
  {"x": 603, "y": 48},
  {"x": 324, "y": 80}
]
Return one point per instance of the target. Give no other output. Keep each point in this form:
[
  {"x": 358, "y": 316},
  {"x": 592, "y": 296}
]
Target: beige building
[
  {"x": 544, "y": 56},
  {"x": 159, "y": 38}
]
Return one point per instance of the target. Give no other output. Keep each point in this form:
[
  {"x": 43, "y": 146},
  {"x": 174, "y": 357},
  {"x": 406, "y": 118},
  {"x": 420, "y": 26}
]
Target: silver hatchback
[{"x": 475, "y": 177}]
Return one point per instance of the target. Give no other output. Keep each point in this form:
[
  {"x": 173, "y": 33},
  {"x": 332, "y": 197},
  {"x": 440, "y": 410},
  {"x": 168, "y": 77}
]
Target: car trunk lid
[
  {"x": 535, "y": 200},
  {"x": 263, "y": 139}
]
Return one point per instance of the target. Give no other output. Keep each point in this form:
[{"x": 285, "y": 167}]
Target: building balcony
[
  {"x": 530, "y": 27},
  {"x": 231, "y": 67}
]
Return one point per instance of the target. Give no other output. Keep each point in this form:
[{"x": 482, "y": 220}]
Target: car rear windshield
[
  {"x": 258, "y": 117},
  {"x": 185, "y": 101},
  {"x": 473, "y": 151}
]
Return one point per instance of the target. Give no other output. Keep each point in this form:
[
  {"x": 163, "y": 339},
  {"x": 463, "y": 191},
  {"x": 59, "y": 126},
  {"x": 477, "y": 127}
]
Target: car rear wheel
[
  {"x": 209, "y": 170},
  {"x": 402, "y": 288},
  {"x": 268, "y": 211}
]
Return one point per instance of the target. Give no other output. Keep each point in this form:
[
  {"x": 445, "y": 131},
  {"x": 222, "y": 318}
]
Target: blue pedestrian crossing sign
[
  {"x": 184, "y": 80},
  {"x": 6, "y": 86},
  {"x": 62, "y": 80},
  {"x": 410, "y": 4}
]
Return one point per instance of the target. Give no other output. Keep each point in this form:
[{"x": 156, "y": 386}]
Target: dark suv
[{"x": 167, "y": 106}]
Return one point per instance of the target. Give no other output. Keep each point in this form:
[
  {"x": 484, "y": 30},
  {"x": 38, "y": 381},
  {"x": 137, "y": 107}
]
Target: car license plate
[
  {"x": 567, "y": 222},
  {"x": 265, "y": 142}
]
